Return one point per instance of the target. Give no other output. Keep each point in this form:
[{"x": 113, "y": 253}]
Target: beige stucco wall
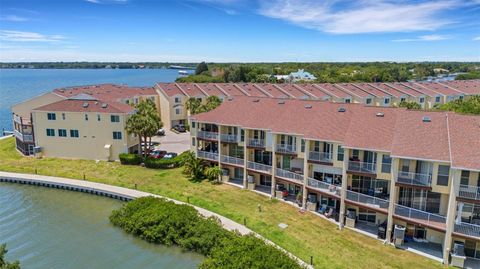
[
  {"x": 23, "y": 109},
  {"x": 93, "y": 136}
]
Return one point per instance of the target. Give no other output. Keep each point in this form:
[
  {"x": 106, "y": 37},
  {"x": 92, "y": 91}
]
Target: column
[
  {"x": 346, "y": 155},
  {"x": 393, "y": 198},
  {"x": 219, "y": 149},
  {"x": 245, "y": 157},
  {"x": 274, "y": 164},
  {"x": 451, "y": 212},
  {"x": 305, "y": 174}
]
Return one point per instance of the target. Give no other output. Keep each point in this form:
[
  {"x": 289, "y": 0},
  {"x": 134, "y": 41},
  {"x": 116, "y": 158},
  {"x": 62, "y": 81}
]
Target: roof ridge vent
[
  {"x": 281, "y": 102},
  {"x": 341, "y": 109},
  {"x": 104, "y": 105},
  {"x": 380, "y": 114},
  {"x": 426, "y": 119},
  {"x": 85, "y": 105},
  {"x": 308, "y": 106}
]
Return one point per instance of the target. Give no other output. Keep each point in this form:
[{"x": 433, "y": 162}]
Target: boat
[{"x": 182, "y": 73}]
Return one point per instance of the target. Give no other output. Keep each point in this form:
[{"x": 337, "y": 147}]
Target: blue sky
[{"x": 240, "y": 31}]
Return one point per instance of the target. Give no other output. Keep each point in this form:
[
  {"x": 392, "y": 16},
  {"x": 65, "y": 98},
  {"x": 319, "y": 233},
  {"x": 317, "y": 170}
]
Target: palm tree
[
  {"x": 193, "y": 105},
  {"x": 212, "y": 102},
  {"x": 144, "y": 123},
  {"x": 213, "y": 173},
  {"x": 193, "y": 167}
]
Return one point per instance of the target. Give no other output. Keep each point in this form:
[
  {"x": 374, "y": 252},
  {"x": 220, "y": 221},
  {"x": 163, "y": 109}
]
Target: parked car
[
  {"x": 161, "y": 132},
  {"x": 179, "y": 128},
  {"x": 170, "y": 155},
  {"x": 158, "y": 154}
]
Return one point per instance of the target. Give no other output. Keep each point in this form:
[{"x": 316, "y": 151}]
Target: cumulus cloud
[{"x": 367, "y": 16}]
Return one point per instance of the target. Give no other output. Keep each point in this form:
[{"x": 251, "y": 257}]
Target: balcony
[
  {"x": 289, "y": 175},
  {"x": 367, "y": 200},
  {"x": 229, "y": 138},
  {"x": 256, "y": 143},
  {"x": 324, "y": 186},
  {"x": 362, "y": 167},
  {"x": 421, "y": 217},
  {"x": 23, "y": 137},
  {"x": 416, "y": 179},
  {"x": 317, "y": 156},
  {"x": 467, "y": 229},
  {"x": 259, "y": 167},
  {"x": 469, "y": 192},
  {"x": 207, "y": 155},
  {"x": 286, "y": 148},
  {"x": 207, "y": 135},
  {"x": 232, "y": 160}
]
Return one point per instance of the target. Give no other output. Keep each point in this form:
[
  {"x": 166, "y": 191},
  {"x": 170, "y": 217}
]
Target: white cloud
[
  {"x": 366, "y": 16},
  {"x": 476, "y": 38},
  {"x": 21, "y": 36},
  {"x": 13, "y": 18},
  {"x": 107, "y": 1},
  {"x": 424, "y": 38}
]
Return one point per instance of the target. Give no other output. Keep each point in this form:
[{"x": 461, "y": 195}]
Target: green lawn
[{"x": 306, "y": 235}]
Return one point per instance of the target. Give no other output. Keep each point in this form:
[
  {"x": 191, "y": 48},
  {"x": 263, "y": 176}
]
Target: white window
[
  {"x": 368, "y": 101},
  {"x": 402, "y": 99},
  {"x": 347, "y": 100},
  {"x": 422, "y": 100},
  {"x": 178, "y": 111},
  {"x": 177, "y": 100},
  {"x": 386, "y": 101},
  {"x": 437, "y": 99}
]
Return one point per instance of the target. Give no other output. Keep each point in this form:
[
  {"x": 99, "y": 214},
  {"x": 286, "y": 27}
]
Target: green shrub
[
  {"x": 129, "y": 158},
  {"x": 160, "y": 221}
]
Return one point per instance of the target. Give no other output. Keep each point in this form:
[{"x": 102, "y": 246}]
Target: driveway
[{"x": 173, "y": 142}]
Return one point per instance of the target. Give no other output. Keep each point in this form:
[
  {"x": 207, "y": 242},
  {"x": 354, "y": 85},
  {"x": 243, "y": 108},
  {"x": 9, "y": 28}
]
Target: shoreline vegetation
[
  {"x": 160, "y": 221},
  {"x": 325, "y": 72},
  {"x": 306, "y": 236}
]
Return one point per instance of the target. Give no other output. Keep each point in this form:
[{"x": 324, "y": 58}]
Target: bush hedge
[
  {"x": 129, "y": 158},
  {"x": 160, "y": 221},
  {"x": 165, "y": 163}
]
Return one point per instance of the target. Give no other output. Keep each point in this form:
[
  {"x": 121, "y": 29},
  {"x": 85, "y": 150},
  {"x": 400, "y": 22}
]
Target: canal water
[{"x": 51, "y": 228}]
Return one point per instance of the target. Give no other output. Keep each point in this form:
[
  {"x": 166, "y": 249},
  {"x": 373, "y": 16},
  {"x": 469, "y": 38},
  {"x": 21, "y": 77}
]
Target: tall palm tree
[{"x": 193, "y": 105}]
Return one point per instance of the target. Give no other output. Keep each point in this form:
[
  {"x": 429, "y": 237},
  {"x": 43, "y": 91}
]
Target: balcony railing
[
  {"x": 256, "y": 143},
  {"x": 417, "y": 179},
  {"x": 320, "y": 156},
  {"x": 467, "y": 229},
  {"x": 207, "y": 155},
  {"x": 259, "y": 167},
  {"x": 230, "y": 138},
  {"x": 23, "y": 137},
  {"x": 286, "y": 148},
  {"x": 231, "y": 160},
  {"x": 416, "y": 214},
  {"x": 469, "y": 192},
  {"x": 367, "y": 199},
  {"x": 362, "y": 167},
  {"x": 290, "y": 175},
  {"x": 207, "y": 135},
  {"x": 324, "y": 186}
]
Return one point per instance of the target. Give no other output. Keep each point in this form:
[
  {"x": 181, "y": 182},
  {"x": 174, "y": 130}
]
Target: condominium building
[
  {"x": 84, "y": 122},
  {"x": 173, "y": 96},
  {"x": 365, "y": 166}
]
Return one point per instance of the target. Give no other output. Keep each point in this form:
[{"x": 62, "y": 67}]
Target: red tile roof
[
  {"x": 107, "y": 92},
  {"x": 75, "y": 105},
  {"x": 403, "y": 133}
]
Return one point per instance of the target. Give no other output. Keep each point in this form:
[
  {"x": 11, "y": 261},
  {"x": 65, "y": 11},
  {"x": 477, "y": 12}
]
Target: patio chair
[
  {"x": 330, "y": 212},
  {"x": 322, "y": 209}
]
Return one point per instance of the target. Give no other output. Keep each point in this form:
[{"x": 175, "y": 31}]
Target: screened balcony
[
  {"x": 289, "y": 175},
  {"x": 259, "y": 167},
  {"x": 207, "y": 155},
  {"x": 416, "y": 179},
  {"x": 232, "y": 160},
  {"x": 362, "y": 167},
  {"x": 469, "y": 192},
  {"x": 207, "y": 135},
  {"x": 318, "y": 156},
  {"x": 421, "y": 217}
]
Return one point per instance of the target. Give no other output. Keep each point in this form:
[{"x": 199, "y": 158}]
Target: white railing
[
  {"x": 320, "y": 156},
  {"x": 17, "y": 119},
  {"x": 367, "y": 199},
  {"x": 228, "y": 138},
  {"x": 231, "y": 160},
  {"x": 324, "y": 186},
  {"x": 286, "y": 148},
  {"x": 469, "y": 192},
  {"x": 467, "y": 229},
  {"x": 256, "y": 143},
  {"x": 259, "y": 167},
  {"x": 27, "y": 138},
  {"x": 362, "y": 167},
  {"x": 18, "y": 134},
  {"x": 207, "y": 135},
  {"x": 290, "y": 175},
  {"x": 412, "y": 213},
  {"x": 414, "y": 179},
  {"x": 207, "y": 155}
]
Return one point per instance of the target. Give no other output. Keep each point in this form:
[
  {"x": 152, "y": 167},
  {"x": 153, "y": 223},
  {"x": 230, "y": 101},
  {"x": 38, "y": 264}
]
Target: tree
[
  {"x": 193, "y": 167},
  {"x": 201, "y": 67},
  {"x": 212, "y": 102},
  {"x": 469, "y": 106},
  {"x": 5, "y": 264},
  {"x": 193, "y": 105},
  {"x": 144, "y": 123},
  {"x": 213, "y": 173},
  {"x": 410, "y": 105}
]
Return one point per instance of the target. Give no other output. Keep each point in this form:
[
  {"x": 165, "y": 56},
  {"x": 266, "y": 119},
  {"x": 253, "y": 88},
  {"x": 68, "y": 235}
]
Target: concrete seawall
[{"x": 124, "y": 194}]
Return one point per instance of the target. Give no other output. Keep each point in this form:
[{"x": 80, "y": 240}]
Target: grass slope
[{"x": 307, "y": 235}]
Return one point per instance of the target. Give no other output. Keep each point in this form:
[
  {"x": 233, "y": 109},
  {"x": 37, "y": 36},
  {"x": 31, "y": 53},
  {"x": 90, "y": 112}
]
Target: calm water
[
  {"x": 50, "y": 228},
  {"x": 17, "y": 85}
]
